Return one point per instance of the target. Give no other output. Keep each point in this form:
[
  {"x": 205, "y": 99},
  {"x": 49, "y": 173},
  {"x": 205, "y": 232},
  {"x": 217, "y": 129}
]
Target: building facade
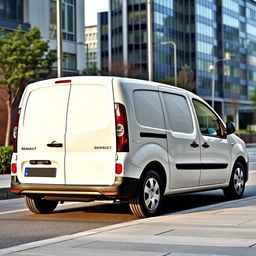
[
  {"x": 204, "y": 32},
  {"x": 91, "y": 46},
  {"x": 103, "y": 42},
  {"x": 30, "y": 13},
  {"x": 43, "y": 15}
]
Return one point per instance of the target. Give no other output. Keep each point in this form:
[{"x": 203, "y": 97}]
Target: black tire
[
  {"x": 149, "y": 197},
  {"x": 39, "y": 205},
  {"x": 236, "y": 187}
]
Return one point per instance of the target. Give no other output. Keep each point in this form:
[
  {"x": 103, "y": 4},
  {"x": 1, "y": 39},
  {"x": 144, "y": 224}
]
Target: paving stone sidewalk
[{"x": 227, "y": 228}]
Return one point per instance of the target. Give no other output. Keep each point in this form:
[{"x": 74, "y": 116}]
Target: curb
[{"x": 5, "y": 193}]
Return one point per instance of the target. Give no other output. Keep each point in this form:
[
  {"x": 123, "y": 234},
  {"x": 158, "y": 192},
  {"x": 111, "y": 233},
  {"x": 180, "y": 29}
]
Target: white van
[{"x": 87, "y": 138}]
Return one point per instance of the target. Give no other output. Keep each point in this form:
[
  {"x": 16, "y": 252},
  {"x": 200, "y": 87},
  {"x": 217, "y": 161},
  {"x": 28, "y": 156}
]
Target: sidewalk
[
  {"x": 227, "y": 228},
  {"x": 5, "y": 180},
  {"x": 5, "y": 190}
]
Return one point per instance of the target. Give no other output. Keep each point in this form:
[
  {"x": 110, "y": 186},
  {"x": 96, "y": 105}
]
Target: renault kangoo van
[{"x": 97, "y": 138}]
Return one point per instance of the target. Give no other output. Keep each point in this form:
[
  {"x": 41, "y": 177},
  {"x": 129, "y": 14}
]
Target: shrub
[{"x": 5, "y": 159}]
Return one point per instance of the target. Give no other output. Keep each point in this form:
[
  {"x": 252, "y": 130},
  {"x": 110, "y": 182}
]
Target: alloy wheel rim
[
  {"x": 239, "y": 180},
  {"x": 152, "y": 194}
]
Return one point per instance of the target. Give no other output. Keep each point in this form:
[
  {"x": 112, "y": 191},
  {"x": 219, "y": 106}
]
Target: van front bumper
[{"x": 123, "y": 187}]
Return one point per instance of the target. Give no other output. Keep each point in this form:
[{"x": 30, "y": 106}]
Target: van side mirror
[{"x": 230, "y": 128}]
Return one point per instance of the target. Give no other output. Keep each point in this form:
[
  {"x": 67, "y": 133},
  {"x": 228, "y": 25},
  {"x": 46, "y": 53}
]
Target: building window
[
  {"x": 69, "y": 61},
  {"x": 68, "y": 19},
  {"x": 205, "y": 12},
  {"x": 205, "y": 48},
  {"x": 11, "y": 10},
  {"x": 231, "y": 5},
  {"x": 206, "y": 30}
]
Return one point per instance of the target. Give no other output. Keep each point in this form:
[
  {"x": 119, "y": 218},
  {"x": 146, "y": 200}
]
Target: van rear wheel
[
  {"x": 39, "y": 205},
  {"x": 148, "y": 199}
]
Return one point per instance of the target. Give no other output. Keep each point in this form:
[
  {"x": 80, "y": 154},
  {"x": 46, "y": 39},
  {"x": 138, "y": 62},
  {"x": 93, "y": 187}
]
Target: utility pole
[
  {"x": 59, "y": 37},
  {"x": 150, "y": 40}
]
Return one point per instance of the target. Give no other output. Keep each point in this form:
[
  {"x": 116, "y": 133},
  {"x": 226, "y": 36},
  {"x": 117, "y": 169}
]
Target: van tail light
[
  {"x": 122, "y": 139},
  {"x": 14, "y": 168},
  {"x": 15, "y": 130},
  {"x": 119, "y": 168}
]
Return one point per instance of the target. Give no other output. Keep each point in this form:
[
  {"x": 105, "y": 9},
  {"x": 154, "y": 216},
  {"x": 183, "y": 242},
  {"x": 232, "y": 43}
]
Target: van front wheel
[
  {"x": 236, "y": 186},
  {"x": 148, "y": 199},
  {"x": 40, "y": 205}
]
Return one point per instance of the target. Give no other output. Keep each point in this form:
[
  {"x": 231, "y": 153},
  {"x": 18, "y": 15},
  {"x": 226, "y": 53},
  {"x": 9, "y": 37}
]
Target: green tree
[
  {"x": 185, "y": 78},
  {"x": 24, "y": 58},
  {"x": 253, "y": 98},
  {"x": 170, "y": 81},
  {"x": 91, "y": 71}
]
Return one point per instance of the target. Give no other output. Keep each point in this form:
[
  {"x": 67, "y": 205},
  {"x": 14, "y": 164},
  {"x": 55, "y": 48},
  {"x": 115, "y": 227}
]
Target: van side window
[
  {"x": 208, "y": 122},
  {"x": 178, "y": 112},
  {"x": 148, "y": 109}
]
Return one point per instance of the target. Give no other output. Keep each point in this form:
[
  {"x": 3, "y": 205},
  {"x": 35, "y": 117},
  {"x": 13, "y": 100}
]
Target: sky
[{"x": 91, "y": 9}]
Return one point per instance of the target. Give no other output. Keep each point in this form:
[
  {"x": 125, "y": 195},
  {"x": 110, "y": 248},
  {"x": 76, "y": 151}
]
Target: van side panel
[
  {"x": 90, "y": 135},
  {"x": 147, "y": 134}
]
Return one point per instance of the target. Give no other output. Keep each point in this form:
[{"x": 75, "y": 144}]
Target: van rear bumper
[{"x": 123, "y": 187}]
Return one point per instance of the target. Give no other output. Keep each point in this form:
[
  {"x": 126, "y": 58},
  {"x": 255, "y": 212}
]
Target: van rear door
[
  {"x": 90, "y": 135},
  {"x": 41, "y": 139}
]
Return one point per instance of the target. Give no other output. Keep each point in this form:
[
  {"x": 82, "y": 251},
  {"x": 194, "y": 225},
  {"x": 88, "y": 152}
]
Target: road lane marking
[
  {"x": 13, "y": 211},
  {"x": 26, "y": 209}
]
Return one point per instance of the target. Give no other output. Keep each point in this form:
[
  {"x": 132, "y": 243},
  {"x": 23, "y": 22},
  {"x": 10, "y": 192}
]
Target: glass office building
[
  {"x": 205, "y": 33},
  {"x": 103, "y": 42}
]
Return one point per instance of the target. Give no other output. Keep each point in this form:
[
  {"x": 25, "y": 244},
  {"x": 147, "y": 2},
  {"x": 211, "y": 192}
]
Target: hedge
[{"x": 5, "y": 159}]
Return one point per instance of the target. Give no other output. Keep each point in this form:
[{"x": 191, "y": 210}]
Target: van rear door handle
[
  {"x": 194, "y": 144},
  {"x": 55, "y": 144},
  {"x": 205, "y": 145}
]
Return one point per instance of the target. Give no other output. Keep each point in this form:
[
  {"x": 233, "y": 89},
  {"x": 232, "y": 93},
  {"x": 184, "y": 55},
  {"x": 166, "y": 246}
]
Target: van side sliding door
[{"x": 182, "y": 138}]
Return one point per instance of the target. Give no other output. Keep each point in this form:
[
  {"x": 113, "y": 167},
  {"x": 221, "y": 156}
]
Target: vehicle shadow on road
[{"x": 171, "y": 204}]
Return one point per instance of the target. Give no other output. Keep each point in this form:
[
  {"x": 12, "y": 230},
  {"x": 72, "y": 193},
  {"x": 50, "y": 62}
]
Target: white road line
[
  {"x": 26, "y": 209},
  {"x": 13, "y": 211},
  {"x": 252, "y": 171}
]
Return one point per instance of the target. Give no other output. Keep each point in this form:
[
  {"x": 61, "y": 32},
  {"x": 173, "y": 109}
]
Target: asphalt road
[
  {"x": 252, "y": 157},
  {"x": 19, "y": 226}
]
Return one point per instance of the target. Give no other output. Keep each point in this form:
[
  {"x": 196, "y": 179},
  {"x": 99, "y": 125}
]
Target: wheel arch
[
  {"x": 159, "y": 169},
  {"x": 241, "y": 160}
]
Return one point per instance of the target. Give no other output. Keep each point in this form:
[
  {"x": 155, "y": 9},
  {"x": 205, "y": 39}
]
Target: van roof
[{"x": 108, "y": 79}]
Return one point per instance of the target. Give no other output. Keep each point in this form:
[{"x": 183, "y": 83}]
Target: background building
[
  {"x": 43, "y": 15},
  {"x": 91, "y": 46},
  {"x": 103, "y": 42},
  {"x": 30, "y": 13},
  {"x": 204, "y": 31}
]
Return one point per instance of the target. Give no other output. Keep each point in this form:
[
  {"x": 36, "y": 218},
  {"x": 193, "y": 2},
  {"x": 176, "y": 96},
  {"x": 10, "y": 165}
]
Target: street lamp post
[
  {"x": 59, "y": 38},
  {"x": 174, "y": 59},
  {"x": 150, "y": 40},
  {"x": 212, "y": 68},
  {"x": 87, "y": 54}
]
